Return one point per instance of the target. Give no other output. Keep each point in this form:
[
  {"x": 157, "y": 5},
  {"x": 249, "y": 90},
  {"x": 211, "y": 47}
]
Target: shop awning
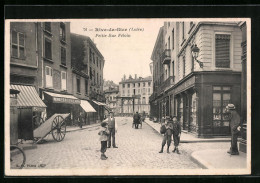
[
  {"x": 87, "y": 106},
  {"x": 28, "y": 96},
  {"x": 99, "y": 103},
  {"x": 60, "y": 98}
]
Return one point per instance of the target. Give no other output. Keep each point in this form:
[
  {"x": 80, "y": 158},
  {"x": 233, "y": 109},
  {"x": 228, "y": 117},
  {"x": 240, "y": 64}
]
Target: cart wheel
[{"x": 58, "y": 128}]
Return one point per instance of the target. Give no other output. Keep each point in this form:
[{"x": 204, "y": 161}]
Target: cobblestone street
[{"x": 138, "y": 148}]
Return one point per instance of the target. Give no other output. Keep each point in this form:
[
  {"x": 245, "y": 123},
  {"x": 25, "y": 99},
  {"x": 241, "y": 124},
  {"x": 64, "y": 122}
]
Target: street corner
[{"x": 219, "y": 159}]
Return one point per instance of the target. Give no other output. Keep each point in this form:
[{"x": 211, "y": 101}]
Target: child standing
[
  {"x": 104, "y": 132},
  {"x": 167, "y": 135},
  {"x": 176, "y": 134}
]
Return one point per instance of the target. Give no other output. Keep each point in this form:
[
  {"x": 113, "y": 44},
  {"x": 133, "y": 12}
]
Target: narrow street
[{"x": 138, "y": 148}]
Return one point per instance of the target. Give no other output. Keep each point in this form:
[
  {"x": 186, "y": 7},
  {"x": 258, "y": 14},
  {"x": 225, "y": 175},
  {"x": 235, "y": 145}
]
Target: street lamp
[{"x": 195, "y": 52}]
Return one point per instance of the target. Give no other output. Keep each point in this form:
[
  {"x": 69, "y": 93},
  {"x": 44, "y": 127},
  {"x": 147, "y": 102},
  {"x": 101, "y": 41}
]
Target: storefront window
[
  {"x": 194, "y": 110},
  {"x": 221, "y": 98}
]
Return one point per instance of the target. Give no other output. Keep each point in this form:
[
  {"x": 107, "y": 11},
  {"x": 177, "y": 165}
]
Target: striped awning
[
  {"x": 99, "y": 103},
  {"x": 87, "y": 106},
  {"x": 28, "y": 96}
]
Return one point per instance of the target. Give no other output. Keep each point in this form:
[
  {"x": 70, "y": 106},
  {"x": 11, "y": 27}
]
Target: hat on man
[{"x": 231, "y": 106}]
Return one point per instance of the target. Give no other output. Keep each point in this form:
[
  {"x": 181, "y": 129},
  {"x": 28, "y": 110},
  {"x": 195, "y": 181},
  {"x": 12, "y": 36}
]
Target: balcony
[
  {"x": 166, "y": 56},
  {"x": 168, "y": 83}
]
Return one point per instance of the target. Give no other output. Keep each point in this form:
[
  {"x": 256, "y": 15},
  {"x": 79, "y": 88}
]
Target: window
[
  {"x": 149, "y": 83},
  {"x": 123, "y": 85},
  {"x": 143, "y": 84},
  {"x": 97, "y": 61},
  {"x": 86, "y": 87},
  {"x": 48, "y": 49},
  {"x": 184, "y": 65},
  {"x": 90, "y": 73},
  {"x": 139, "y": 84},
  {"x": 123, "y": 92},
  {"x": 63, "y": 80},
  {"x": 47, "y": 26},
  {"x": 139, "y": 91},
  {"x": 192, "y": 64},
  {"x": 222, "y": 56},
  {"x": 221, "y": 98},
  {"x": 144, "y": 100},
  {"x": 128, "y": 85},
  {"x": 144, "y": 90},
  {"x": 78, "y": 85},
  {"x": 90, "y": 55},
  {"x": 183, "y": 30},
  {"x": 18, "y": 44},
  {"x": 97, "y": 79},
  {"x": 94, "y": 76},
  {"x": 63, "y": 55},
  {"x": 134, "y": 91},
  {"x": 62, "y": 32},
  {"x": 93, "y": 55},
  {"x": 172, "y": 38},
  {"x": 100, "y": 80},
  {"x": 128, "y": 92},
  {"x": 48, "y": 76}
]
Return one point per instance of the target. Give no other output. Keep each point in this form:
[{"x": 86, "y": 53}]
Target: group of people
[
  {"x": 138, "y": 119},
  {"x": 170, "y": 128},
  {"x": 108, "y": 131}
]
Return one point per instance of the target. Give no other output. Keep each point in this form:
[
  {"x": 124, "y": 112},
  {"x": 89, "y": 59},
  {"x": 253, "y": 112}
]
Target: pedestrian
[
  {"x": 112, "y": 126},
  {"x": 136, "y": 119},
  {"x": 104, "y": 132},
  {"x": 176, "y": 132},
  {"x": 167, "y": 135},
  {"x": 80, "y": 119},
  {"x": 234, "y": 127}
]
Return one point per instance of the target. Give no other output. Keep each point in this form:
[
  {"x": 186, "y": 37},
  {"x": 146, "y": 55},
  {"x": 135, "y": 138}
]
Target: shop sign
[
  {"x": 38, "y": 109},
  {"x": 185, "y": 85},
  {"x": 65, "y": 100}
]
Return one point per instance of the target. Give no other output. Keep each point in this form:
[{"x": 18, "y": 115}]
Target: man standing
[
  {"x": 112, "y": 130},
  {"x": 137, "y": 118},
  {"x": 235, "y": 128},
  {"x": 176, "y": 134}
]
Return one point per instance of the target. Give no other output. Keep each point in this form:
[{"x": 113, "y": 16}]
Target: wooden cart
[{"x": 56, "y": 125}]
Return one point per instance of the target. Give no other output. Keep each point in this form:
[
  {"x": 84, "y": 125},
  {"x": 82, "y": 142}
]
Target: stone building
[
  {"x": 131, "y": 87},
  {"x": 87, "y": 75},
  {"x": 111, "y": 95},
  {"x": 197, "y": 93}
]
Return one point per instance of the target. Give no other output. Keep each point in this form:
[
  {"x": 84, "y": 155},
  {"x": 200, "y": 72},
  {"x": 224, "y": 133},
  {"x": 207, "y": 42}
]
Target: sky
[{"x": 123, "y": 55}]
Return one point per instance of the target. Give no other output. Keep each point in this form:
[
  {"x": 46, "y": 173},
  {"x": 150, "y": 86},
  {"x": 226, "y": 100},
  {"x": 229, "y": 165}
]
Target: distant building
[
  {"x": 111, "y": 95},
  {"x": 142, "y": 87},
  {"x": 108, "y": 84}
]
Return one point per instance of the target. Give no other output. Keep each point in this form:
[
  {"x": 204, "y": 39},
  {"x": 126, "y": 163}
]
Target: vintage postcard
[{"x": 128, "y": 96}]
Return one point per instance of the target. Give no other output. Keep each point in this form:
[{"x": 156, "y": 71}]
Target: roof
[
  {"x": 28, "y": 96},
  {"x": 140, "y": 79},
  {"x": 82, "y": 37}
]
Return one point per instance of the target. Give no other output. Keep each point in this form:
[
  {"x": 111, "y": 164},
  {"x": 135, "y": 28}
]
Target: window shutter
[{"x": 222, "y": 50}]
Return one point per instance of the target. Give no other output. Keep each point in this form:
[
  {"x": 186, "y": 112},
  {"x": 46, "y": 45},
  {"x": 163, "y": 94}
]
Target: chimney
[
  {"x": 135, "y": 76},
  {"x": 124, "y": 77}
]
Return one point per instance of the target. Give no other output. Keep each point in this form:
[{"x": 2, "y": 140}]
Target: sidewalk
[
  {"x": 188, "y": 138},
  {"x": 77, "y": 128},
  {"x": 219, "y": 159}
]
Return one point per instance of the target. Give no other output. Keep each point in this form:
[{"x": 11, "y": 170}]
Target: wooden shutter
[{"x": 222, "y": 55}]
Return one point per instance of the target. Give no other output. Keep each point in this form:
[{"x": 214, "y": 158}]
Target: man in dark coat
[
  {"x": 112, "y": 130},
  {"x": 136, "y": 119},
  {"x": 168, "y": 134},
  {"x": 176, "y": 129},
  {"x": 235, "y": 128}
]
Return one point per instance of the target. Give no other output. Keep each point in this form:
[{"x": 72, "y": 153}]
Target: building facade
[
  {"x": 111, "y": 95},
  {"x": 197, "y": 94},
  {"x": 141, "y": 88},
  {"x": 87, "y": 77}
]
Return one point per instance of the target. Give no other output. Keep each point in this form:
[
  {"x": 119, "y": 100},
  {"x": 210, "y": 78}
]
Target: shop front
[
  {"x": 29, "y": 106},
  {"x": 201, "y": 99},
  {"x": 88, "y": 111},
  {"x": 61, "y": 103},
  {"x": 99, "y": 106}
]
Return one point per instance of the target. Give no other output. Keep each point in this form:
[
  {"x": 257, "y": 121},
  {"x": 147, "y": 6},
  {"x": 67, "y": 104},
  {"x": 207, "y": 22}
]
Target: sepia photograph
[{"x": 153, "y": 96}]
